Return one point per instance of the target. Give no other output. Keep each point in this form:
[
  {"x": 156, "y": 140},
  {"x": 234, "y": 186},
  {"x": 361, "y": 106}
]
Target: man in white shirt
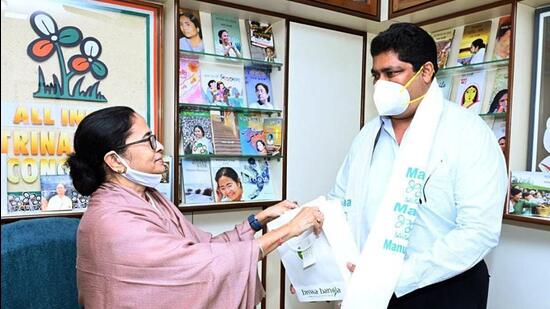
[
  {"x": 59, "y": 201},
  {"x": 452, "y": 210}
]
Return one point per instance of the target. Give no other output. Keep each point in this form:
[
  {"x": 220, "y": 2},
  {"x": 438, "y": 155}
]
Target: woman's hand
[
  {"x": 219, "y": 195},
  {"x": 307, "y": 218},
  {"x": 274, "y": 211}
]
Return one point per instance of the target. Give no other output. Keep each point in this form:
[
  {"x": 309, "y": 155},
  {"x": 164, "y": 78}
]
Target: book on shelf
[
  {"x": 223, "y": 84},
  {"x": 259, "y": 92},
  {"x": 445, "y": 84},
  {"x": 227, "y": 35},
  {"x": 502, "y": 39},
  {"x": 190, "y": 90},
  {"x": 242, "y": 179},
  {"x": 474, "y": 43},
  {"x": 273, "y": 131},
  {"x": 498, "y": 99},
  {"x": 470, "y": 91},
  {"x": 197, "y": 182},
  {"x": 499, "y": 128},
  {"x": 260, "y": 41},
  {"x": 189, "y": 31},
  {"x": 225, "y": 133},
  {"x": 165, "y": 185},
  {"x": 443, "y": 41},
  {"x": 196, "y": 132},
  {"x": 251, "y": 133}
]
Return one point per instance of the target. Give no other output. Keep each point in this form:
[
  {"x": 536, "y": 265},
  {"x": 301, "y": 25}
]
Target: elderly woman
[{"x": 135, "y": 248}]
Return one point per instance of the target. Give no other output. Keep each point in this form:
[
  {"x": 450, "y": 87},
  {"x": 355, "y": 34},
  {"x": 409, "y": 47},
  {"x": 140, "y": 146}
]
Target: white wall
[{"x": 324, "y": 101}]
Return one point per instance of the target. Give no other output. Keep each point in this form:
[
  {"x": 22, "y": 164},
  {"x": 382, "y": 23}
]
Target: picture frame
[
  {"x": 529, "y": 198},
  {"x": 71, "y": 58},
  {"x": 539, "y": 123}
]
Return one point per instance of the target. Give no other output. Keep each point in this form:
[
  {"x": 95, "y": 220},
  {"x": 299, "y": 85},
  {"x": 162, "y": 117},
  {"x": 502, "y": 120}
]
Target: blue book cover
[{"x": 259, "y": 92}]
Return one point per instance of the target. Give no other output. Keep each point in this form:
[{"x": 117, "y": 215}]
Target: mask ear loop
[
  {"x": 118, "y": 170},
  {"x": 407, "y": 84}
]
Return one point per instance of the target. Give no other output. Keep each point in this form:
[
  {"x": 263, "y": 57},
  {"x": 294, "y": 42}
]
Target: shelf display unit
[{"x": 230, "y": 108}]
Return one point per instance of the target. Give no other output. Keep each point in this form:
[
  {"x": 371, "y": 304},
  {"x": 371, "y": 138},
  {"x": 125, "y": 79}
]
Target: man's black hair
[{"x": 411, "y": 43}]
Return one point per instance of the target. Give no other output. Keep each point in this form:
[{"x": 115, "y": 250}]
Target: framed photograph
[
  {"x": 402, "y": 7},
  {"x": 539, "y": 130},
  {"x": 529, "y": 198},
  {"x": 62, "y": 60},
  {"x": 58, "y": 194}
]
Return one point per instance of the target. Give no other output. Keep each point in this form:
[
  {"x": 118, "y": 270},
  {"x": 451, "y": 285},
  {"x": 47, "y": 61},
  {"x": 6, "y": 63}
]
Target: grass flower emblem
[
  {"x": 88, "y": 60},
  {"x": 50, "y": 37},
  {"x": 50, "y": 41}
]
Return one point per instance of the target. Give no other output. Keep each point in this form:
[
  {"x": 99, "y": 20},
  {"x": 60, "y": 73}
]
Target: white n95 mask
[
  {"x": 141, "y": 178},
  {"x": 391, "y": 98}
]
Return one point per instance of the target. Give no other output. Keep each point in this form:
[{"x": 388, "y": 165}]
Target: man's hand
[{"x": 351, "y": 267}]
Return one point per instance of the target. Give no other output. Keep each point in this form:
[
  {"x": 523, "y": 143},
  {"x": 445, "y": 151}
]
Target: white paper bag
[{"x": 316, "y": 266}]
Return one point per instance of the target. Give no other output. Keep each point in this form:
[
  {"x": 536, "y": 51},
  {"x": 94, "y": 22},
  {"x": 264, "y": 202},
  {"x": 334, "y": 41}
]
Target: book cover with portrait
[
  {"x": 251, "y": 130},
  {"x": 223, "y": 84},
  {"x": 57, "y": 192},
  {"x": 498, "y": 99},
  {"x": 443, "y": 41},
  {"x": 190, "y": 90},
  {"x": 227, "y": 35},
  {"x": 197, "y": 182},
  {"x": 196, "y": 132},
  {"x": 273, "y": 131},
  {"x": 190, "y": 31},
  {"x": 474, "y": 42},
  {"x": 260, "y": 41},
  {"x": 227, "y": 180},
  {"x": 470, "y": 91},
  {"x": 259, "y": 92},
  {"x": 502, "y": 39},
  {"x": 242, "y": 179},
  {"x": 225, "y": 133}
]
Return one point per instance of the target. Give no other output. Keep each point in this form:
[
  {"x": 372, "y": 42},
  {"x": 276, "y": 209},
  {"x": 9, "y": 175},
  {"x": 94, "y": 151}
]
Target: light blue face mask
[{"x": 140, "y": 178}]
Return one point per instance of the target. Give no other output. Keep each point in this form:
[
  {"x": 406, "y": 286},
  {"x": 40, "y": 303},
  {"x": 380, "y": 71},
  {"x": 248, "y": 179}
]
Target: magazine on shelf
[
  {"x": 498, "y": 100},
  {"x": 443, "y": 41},
  {"x": 227, "y": 35},
  {"x": 57, "y": 192},
  {"x": 252, "y": 134},
  {"x": 190, "y": 31},
  {"x": 273, "y": 131},
  {"x": 474, "y": 43},
  {"x": 446, "y": 85},
  {"x": 470, "y": 91},
  {"x": 535, "y": 198},
  {"x": 502, "y": 39},
  {"x": 225, "y": 133},
  {"x": 190, "y": 90},
  {"x": 260, "y": 41},
  {"x": 259, "y": 92},
  {"x": 223, "y": 84},
  {"x": 196, "y": 133},
  {"x": 165, "y": 185},
  {"x": 242, "y": 179},
  {"x": 499, "y": 128},
  {"x": 197, "y": 182}
]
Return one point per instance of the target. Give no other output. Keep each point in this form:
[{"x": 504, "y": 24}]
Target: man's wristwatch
[{"x": 254, "y": 223}]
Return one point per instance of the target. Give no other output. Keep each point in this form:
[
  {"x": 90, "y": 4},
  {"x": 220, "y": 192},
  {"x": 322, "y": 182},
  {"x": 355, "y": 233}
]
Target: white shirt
[
  {"x": 478, "y": 57},
  {"x": 57, "y": 202},
  {"x": 460, "y": 219}
]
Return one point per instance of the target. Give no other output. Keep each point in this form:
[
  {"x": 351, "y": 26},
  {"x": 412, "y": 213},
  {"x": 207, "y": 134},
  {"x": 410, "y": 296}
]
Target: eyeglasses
[{"x": 152, "y": 139}]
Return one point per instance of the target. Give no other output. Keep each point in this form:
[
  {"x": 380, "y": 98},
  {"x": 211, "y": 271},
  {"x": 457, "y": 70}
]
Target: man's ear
[
  {"x": 427, "y": 72},
  {"x": 113, "y": 162}
]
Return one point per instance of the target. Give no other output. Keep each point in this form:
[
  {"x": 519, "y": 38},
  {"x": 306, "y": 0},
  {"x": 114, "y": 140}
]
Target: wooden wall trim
[
  {"x": 335, "y": 8},
  {"x": 465, "y": 12},
  {"x": 412, "y": 9}
]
